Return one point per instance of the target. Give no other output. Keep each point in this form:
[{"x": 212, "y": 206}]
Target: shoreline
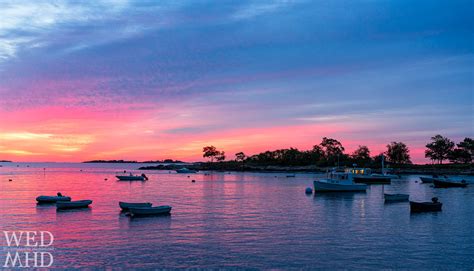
[{"x": 405, "y": 170}]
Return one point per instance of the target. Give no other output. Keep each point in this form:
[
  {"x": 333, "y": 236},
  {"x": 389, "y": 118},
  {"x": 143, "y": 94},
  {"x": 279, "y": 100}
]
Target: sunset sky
[{"x": 161, "y": 79}]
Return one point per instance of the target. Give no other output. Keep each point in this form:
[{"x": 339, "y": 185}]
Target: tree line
[{"x": 330, "y": 152}]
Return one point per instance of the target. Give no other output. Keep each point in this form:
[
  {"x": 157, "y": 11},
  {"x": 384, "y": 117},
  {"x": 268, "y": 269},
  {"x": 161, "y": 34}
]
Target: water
[{"x": 243, "y": 220}]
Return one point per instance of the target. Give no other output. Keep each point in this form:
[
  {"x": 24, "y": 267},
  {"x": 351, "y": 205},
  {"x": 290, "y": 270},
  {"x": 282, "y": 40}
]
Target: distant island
[
  {"x": 166, "y": 161},
  {"x": 5, "y": 161}
]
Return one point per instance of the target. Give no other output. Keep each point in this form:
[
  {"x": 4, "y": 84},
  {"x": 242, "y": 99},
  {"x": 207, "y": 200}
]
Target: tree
[
  {"x": 221, "y": 156},
  {"x": 398, "y": 153},
  {"x": 332, "y": 149},
  {"x": 210, "y": 152},
  {"x": 361, "y": 155},
  {"x": 463, "y": 153},
  {"x": 240, "y": 157},
  {"x": 439, "y": 149}
]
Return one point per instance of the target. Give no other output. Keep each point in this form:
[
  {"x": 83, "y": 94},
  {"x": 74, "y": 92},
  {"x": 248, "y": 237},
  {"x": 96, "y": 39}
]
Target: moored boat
[
  {"x": 396, "y": 197},
  {"x": 445, "y": 183},
  {"x": 186, "y": 170},
  {"x": 132, "y": 177},
  {"x": 425, "y": 179},
  {"x": 73, "y": 204},
  {"x": 433, "y": 206},
  {"x": 338, "y": 182},
  {"x": 364, "y": 175},
  {"x": 52, "y": 199},
  {"x": 126, "y": 205},
  {"x": 146, "y": 211}
]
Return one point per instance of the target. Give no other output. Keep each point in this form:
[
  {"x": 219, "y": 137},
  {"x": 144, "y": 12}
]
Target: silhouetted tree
[
  {"x": 398, "y": 153},
  {"x": 361, "y": 156},
  {"x": 240, "y": 157},
  {"x": 210, "y": 152},
  {"x": 464, "y": 152},
  {"x": 221, "y": 156},
  {"x": 439, "y": 149},
  {"x": 332, "y": 149}
]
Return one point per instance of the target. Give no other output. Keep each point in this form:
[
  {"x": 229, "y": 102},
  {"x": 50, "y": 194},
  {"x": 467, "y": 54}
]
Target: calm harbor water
[{"x": 243, "y": 220}]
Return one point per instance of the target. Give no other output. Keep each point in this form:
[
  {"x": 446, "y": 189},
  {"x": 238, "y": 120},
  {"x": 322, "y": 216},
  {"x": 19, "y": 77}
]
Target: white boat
[
  {"x": 52, "y": 199},
  {"x": 126, "y": 205},
  {"x": 73, "y": 204},
  {"x": 186, "y": 170},
  {"x": 132, "y": 177},
  {"x": 396, "y": 197},
  {"x": 338, "y": 182},
  {"x": 144, "y": 211},
  {"x": 431, "y": 179}
]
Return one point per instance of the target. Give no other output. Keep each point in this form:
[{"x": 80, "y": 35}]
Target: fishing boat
[
  {"x": 364, "y": 175},
  {"x": 433, "y": 206},
  {"x": 132, "y": 177},
  {"x": 73, "y": 204},
  {"x": 146, "y": 211},
  {"x": 52, "y": 199},
  {"x": 396, "y": 197},
  {"x": 186, "y": 170},
  {"x": 338, "y": 182},
  {"x": 126, "y": 205},
  {"x": 446, "y": 182}
]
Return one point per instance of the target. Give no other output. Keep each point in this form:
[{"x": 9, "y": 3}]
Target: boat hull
[
  {"x": 186, "y": 171},
  {"x": 418, "y": 207},
  {"x": 149, "y": 211},
  {"x": 372, "y": 179},
  {"x": 51, "y": 199},
  {"x": 396, "y": 197},
  {"x": 427, "y": 179},
  {"x": 73, "y": 204},
  {"x": 334, "y": 187},
  {"x": 447, "y": 184},
  {"x": 130, "y": 178},
  {"x": 126, "y": 205}
]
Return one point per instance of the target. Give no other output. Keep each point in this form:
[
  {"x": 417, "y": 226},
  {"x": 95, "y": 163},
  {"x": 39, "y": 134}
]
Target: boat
[
  {"x": 73, "y": 204},
  {"x": 186, "y": 170},
  {"x": 431, "y": 179},
  {"x": 364, "y": 175},
  {"x": 338, "y": 182},
  {"x": 132, "y": 177},
  {"x": 126, "y": 205},
  {"x": 445, "y": 183},
  {"x": 52, "y": 199},
  {"x": 146, "y": 211},
  {"x": 291, "y": 176},
  {"x": 433, "y": 206},
  {"x": 396, "y": 197}
]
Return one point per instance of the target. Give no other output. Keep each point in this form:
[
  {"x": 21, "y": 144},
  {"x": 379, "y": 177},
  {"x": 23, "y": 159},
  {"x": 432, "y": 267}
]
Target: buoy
[
  {"x": 188, "y": 176},
  {"x": 193, "y": 181},
  {"x": 9, "y": 180},
  {"x": 309, "y": 190},
  {"x": 105, "y": 179}
]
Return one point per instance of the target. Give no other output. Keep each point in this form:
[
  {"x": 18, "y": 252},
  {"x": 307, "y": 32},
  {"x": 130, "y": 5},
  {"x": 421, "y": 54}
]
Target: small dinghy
[
  {"x": 52, "y": 199},
  {"x": 146, "y": 211},
  {"x": 73, "y": 204},
  {"x": 396, "y": 197},
  {"x": 126, "y": 205},
  {"x": 425, "y": 179},
  {"x": 445, "y": 183},
  {"x": 433, "y": 206},
  {"x": 132, "y": 177}
]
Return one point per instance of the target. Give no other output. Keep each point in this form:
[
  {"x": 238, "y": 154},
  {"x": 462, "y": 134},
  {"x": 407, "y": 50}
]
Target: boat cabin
[{"x": 359, "y": 171}]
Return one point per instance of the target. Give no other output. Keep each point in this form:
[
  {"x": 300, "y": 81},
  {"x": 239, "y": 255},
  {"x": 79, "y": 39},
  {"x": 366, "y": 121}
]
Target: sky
[{"x": 146, "y": 80}]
